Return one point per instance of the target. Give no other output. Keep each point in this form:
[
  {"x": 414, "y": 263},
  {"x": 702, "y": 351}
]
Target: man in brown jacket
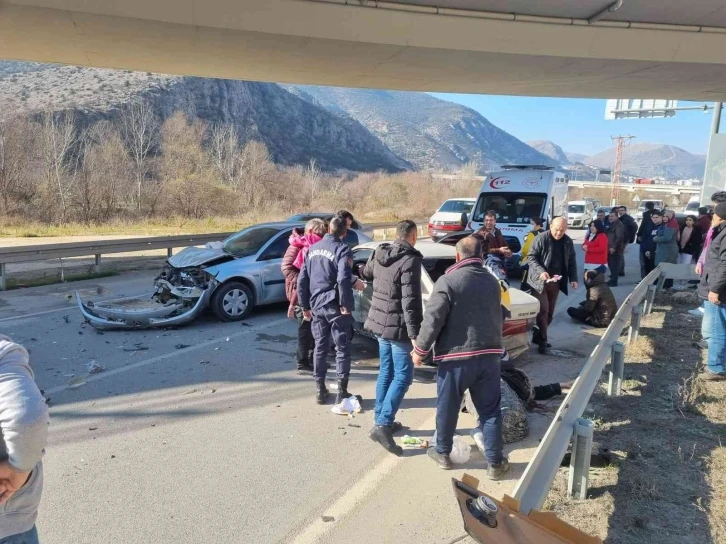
[
  {"x": 599, "y": 306},
  {"x": 616, "y": 249}
]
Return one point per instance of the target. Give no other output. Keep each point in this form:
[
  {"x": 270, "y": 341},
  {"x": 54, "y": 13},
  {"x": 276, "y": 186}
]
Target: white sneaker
[{"x": 698, "y": 312}]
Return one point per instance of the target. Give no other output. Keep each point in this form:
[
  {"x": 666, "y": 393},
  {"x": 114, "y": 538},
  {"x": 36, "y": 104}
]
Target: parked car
[
  {"x": 327, "y": 216},
  {"x": 437, "y": 257},
  {"x": 579, "y": 213},
  {"x": 230, "y": 278},
  {"x": 641, "y": 208},
  {"x": 452, "y": 216}
]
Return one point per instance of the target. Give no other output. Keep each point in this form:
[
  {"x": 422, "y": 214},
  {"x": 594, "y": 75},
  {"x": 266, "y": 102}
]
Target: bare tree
[
  {"x": 58, "y": 138},
  {"x": 313, "y": 179},
  {"x": 140, "y": 132},
  {"x": 105, "y": 174},
  {"x": 226, "y": 154},
  {"x": 17, "y": 153},
  {"x": 256, "y": 174}
]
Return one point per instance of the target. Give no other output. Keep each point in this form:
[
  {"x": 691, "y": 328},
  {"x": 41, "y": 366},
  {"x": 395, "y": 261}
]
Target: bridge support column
[{"x": 3, "y": 279}]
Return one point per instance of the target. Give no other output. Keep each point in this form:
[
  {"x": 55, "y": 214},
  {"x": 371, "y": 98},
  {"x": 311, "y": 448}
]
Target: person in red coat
[{"x": 595, "y": 247}]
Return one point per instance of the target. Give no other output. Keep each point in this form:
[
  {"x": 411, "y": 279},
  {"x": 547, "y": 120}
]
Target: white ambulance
[{"x": 516, "y": 194}]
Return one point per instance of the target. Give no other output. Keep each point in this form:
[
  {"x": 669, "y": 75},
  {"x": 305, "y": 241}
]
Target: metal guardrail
[
  {"x": 534, "y": 485},
  {"x": 44, "y": 252}
]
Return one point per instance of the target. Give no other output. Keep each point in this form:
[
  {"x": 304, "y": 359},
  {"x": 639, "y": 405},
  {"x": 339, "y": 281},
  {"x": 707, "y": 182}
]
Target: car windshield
[
  {"x": 693, "y": 206},
  {"x": 576, "y": 208},
  {"x": 457, "y": 206},
  {"x": 249, "y": 241},
  {"x": 510, "y": 207}
]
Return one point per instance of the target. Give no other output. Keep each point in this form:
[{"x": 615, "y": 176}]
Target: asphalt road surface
[{"x": 208, "y": 434}]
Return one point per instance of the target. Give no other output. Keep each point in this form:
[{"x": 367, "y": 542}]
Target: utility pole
[{"x": 617, "y": 170}]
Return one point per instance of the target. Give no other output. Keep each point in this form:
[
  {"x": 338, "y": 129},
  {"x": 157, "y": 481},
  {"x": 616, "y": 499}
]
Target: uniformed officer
[{"x": 325, "y": 292}]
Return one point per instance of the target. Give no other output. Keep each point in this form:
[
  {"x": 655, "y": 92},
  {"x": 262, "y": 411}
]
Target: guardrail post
[
  {"x": 617, "y": 364},
  {"x": 580, "y": 458},
  {"x": 97, "y": 264},
  {"x": 3, "y": 274},
  {"x": 169, "y": 252},
  {"x": 634, "y": 324},
  {"x": 649, "y": 299}
]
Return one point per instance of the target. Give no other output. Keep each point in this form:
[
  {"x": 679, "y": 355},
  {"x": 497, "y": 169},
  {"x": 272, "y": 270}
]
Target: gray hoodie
[{"x": 23, "y": 436}]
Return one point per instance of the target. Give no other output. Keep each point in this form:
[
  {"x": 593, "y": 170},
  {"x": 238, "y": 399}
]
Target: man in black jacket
[
  {"x": 644, "y": 237},
  {"x": 552, "y": 267},
  {"x": 599, "y": 306},
  {"x": 712, "y": 290},
  {"x": 463, "y": 325},
  {"x": 616, "y": 247},
  {"x": 395, "y": 318},
  {"x": 631, "y": 231},
  {"x": 325, "y": 292}
]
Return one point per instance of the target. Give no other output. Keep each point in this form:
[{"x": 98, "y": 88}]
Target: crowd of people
[{"x": 460, "y": 329}]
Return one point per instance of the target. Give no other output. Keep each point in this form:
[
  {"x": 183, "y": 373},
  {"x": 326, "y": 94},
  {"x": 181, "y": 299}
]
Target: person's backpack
[{"x": 520, "y": 383}]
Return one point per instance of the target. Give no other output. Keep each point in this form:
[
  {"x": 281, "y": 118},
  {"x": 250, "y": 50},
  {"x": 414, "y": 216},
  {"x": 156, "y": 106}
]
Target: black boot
[
  {"x": 384, "y": 436},
  {"x": 342, "y": 390},
  {"x": 322, "y": 395},
  {"x": 304, "y": 367}
]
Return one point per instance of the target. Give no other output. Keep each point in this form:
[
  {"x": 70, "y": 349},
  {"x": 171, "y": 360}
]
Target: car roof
[
  {"x": 428, "y": 248},
  {"x": 466, "y": 198},
  {"x": 278, "y": 224}
]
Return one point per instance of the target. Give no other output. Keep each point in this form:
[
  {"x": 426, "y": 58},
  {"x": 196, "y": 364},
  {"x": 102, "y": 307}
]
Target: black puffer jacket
[
  {"x": 713, "y": 278},
  {"x": 396, "y": 308}
]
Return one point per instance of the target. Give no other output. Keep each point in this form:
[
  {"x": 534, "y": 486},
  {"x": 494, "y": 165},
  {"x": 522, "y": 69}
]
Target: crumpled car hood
[{"x": 195, "y": 256}]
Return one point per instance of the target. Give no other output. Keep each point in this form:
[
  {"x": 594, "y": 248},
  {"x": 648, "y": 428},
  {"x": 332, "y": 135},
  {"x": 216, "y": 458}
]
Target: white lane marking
[
  {"x": 354, "y": 496},
  {"x": 44, "y": 312},
  {"x": 175, "y": 353}
]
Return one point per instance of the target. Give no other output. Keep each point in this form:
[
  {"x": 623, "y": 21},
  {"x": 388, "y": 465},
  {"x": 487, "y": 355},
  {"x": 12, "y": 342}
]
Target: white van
[
  {"x": 579, "y": 213},
  {"x": 517, "y": 194}
]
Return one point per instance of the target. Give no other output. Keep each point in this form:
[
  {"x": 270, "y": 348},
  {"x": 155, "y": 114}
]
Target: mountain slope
[
  {"x": 427, "y": 132},
  {"x": 293, "y": 129},
  {"x": 551, "y": 149},
  {"x": 653, "y": 160},
  {"x": 575, "y": 157}
]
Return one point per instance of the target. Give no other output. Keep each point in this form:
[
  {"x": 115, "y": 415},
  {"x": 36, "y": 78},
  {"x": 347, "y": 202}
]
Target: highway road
[{"x": 208, "y": 434}]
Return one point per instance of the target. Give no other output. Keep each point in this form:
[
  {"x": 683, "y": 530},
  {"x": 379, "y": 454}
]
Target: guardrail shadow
[{"x": 662, "y": 494}]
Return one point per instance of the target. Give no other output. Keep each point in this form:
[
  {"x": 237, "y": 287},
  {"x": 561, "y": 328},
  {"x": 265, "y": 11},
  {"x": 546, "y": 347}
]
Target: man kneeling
[{"x": 600, "y": 307}]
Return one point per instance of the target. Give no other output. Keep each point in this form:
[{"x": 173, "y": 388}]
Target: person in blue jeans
[
  {"x": 712, "y": 290},
  {"x": 463, "y": 327},
  {"x": 395, "y": 318}
]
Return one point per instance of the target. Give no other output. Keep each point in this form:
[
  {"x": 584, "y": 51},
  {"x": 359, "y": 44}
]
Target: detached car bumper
[{"x": 156, "y": 315}]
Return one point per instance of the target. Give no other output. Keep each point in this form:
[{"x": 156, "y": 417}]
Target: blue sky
[{"x": 578, "y": 125}]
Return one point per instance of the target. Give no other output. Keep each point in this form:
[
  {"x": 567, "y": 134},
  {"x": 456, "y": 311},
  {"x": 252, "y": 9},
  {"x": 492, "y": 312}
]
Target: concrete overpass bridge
[{"x": 588, "y": 48}]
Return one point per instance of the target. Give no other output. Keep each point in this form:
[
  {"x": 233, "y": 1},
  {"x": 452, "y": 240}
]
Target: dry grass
[
  {"x": 149, "y": 227},
  {"x": 667, "y": 481}
]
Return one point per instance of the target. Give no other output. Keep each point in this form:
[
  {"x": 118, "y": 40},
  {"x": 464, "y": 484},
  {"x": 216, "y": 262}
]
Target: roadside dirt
[{"x": 666, "y": 482}]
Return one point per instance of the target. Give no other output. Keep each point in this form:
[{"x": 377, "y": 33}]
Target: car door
[
  {"x": 362, "y": 298},
  {"x": 270, "y": 261}
]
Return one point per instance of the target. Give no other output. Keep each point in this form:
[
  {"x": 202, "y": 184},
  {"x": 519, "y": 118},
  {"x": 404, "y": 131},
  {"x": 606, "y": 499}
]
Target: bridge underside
[{"x": 301, "y": 41}]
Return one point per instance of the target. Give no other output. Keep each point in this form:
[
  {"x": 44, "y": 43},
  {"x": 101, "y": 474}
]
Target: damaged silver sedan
[{"x": 229, "y": 277}]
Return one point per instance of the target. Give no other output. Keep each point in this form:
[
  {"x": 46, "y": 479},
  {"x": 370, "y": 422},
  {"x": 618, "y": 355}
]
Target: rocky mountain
[
  {"x": 293, "y": 129},
  {"x": 551, "y": 149},
  {"x": 652, "y": 160},
  {"x": 575, "y": 157},
  {"x": 427, "y": 132}
]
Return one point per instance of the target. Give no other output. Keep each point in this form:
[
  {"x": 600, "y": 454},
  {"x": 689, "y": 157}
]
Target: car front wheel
[{"x": 232, "y": 301}]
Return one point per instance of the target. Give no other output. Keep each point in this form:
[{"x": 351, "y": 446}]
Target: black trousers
[
  {"x": 647, "y": 264},
  {"x": 615, "y": 262},
  {"x": 579, "y": 314},
  {"x": 305, "y": 340},
  {"x": 547, "y": 302}
]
